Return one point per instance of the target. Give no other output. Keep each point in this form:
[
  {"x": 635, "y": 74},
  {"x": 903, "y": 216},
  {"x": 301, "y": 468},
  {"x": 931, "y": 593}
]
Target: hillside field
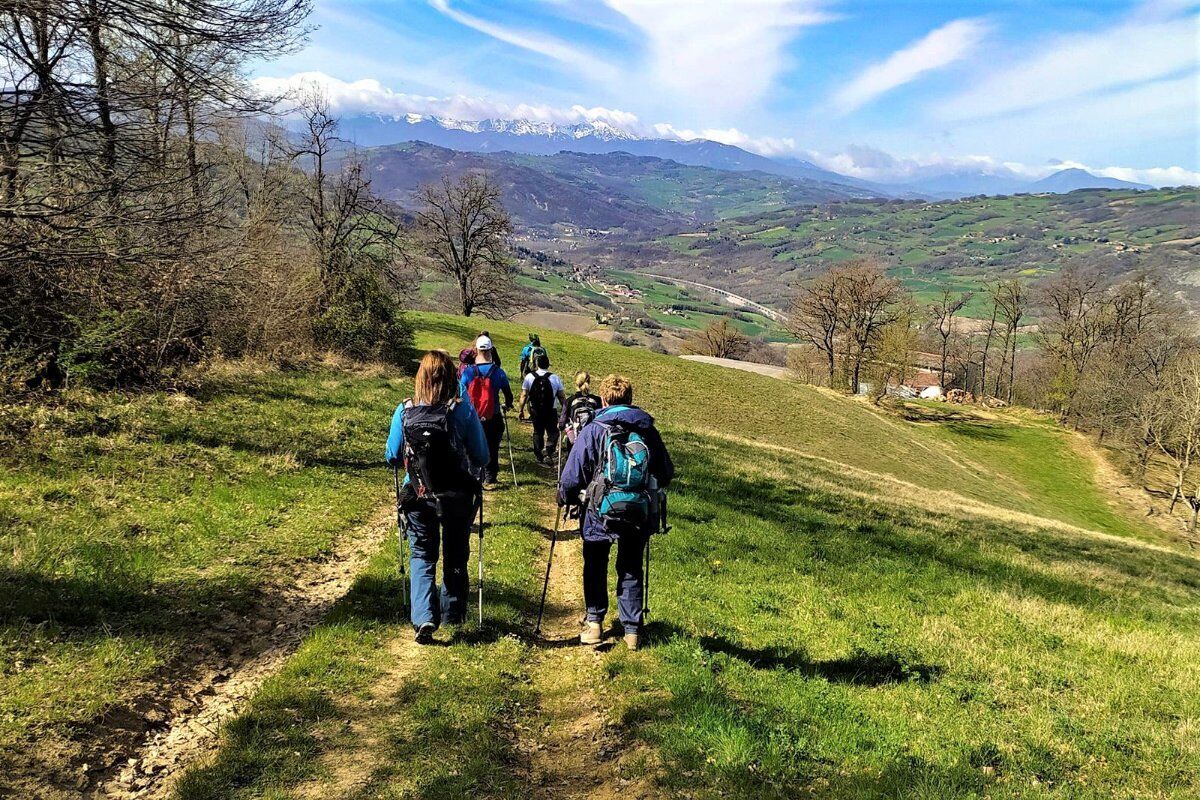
[
  {"x": 959, "y": 245},
  {"x": 854, "y": 602}
]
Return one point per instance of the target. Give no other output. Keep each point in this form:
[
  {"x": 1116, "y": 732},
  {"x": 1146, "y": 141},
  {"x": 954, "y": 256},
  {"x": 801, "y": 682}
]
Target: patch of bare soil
[
  {"x": 142, "y": 748},
  {"x": 573, "y": 750},
  {"x": 565, "y": 321}
]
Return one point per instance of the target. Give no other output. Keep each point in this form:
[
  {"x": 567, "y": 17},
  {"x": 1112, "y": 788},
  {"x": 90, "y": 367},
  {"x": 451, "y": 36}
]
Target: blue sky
[{"x": 881, "y": 89}]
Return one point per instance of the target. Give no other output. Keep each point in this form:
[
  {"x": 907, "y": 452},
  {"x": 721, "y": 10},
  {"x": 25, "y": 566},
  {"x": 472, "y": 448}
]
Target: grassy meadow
[{"x": 917, "y": 601}]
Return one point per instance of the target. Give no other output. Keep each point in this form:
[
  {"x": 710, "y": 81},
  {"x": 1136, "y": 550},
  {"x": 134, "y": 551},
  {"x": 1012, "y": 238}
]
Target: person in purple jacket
[{"x": 616, "y": 394}]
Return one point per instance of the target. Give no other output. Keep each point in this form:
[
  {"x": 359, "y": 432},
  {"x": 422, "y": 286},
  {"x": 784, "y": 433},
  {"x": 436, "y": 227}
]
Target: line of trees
[
  {"x": 152, "y": 213},
  {"x": 1115, "y": 358}
]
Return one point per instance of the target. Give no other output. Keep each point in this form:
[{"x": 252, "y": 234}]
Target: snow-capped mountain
[{"x": 598, "y": 137}]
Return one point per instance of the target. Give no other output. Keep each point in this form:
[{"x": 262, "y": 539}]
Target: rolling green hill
[
  {"x": 854, "y": 602},
  {"x": 961, "y": 244}
]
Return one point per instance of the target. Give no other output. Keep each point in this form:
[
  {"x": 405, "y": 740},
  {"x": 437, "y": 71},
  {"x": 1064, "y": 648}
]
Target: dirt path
[
  {"x": 180, "y": 723},
  {"x": 769, "y": 370},
  {"x": 573, "y": 750}
]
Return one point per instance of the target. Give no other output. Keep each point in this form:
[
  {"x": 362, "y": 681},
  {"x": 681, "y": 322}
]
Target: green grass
[
  {"x": 921, "y": 601},
  {"x": 132, "y": 523}
]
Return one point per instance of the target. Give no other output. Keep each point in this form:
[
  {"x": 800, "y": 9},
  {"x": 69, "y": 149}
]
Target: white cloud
[
  {"x": 1144, "y": 48},
  {"x": 370, "y": 96},
  {"x": 763, "y": 145},
  {"x": 940, "y": 47},
  {"x": 868, "y": 163},
  {"x": 722, "y": 54},
  {"x": 535, "y": 42}
]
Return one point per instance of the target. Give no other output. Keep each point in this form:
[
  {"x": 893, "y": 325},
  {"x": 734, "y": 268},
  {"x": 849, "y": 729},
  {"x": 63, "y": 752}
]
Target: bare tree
[
  {"x": 816, "y": 316},
  {"x": 720, "y": 339},
  {"x": 872, "y": 303},
  {"x": 1012, "y": 300},
  {"x": 465, "y": 232},
  {"x": 942, "y": 314}
]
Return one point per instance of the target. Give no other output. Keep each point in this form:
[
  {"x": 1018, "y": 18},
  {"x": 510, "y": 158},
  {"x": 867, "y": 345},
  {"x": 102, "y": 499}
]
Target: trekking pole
[
  {"x": 481, "y": 558},
  {"x": 646, "y": 582},
  {"x": 402, "y": 527},
  {"x": 537, "y": 629},
  {"x": 508, "y": 439}
]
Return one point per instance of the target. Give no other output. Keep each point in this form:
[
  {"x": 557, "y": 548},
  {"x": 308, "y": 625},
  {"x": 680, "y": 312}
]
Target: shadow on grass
[{"x": 860, "y": 669}]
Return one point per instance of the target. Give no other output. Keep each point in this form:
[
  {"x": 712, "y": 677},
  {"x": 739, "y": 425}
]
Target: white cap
[{"x": 483, "y": 343}]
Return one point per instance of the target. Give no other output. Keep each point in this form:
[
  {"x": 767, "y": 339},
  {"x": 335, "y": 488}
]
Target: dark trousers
[
  {"x": 493, "y": 431},
  {"x": 453, "y": 533},
  {"x": 631, "y": 548},
  {"x": 545, "y": 435}
]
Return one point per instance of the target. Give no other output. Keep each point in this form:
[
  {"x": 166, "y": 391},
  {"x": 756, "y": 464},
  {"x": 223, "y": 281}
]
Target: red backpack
[{"x": 479, "y": 390}]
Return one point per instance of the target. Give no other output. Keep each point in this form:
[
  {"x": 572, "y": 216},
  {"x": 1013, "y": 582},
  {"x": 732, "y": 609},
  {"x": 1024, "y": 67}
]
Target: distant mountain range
[
  {"x": 547, "y": 138},
  {"x": 601, "y": 191}
]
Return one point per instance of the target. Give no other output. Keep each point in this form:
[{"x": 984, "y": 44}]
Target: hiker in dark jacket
[
  {"x": 586, "y": 456},
  {"x": 446, "y": 520},
  {"x": 482, "y": 383},
  {"x": 580, "y": 408},
  {"x": 540, "y": 390}
]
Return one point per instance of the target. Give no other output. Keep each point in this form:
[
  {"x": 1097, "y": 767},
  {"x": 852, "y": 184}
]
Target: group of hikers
[{"x": 447, "y": 441}]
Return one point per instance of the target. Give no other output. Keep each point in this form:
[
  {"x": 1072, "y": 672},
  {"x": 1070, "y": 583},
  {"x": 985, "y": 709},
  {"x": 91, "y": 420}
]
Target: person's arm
[
  {"x": 578, "y": 469},
  {"x": 471, "y": 432},
  {"x": 563, "y": 417},
  {"x": 465, "y": 381},
  {"x": 394, "y": 451},
  {"x": 507, "y": 389},
  {"x": 661, "y": 465}
]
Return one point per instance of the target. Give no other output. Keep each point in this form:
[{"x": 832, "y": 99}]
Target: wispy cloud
[
  {"x": 869, "y": 163},
  {"x": 722, "y": 54},
  {"x": 1076, "y": 66},
  {"x": 535, "y": 42},
  {"x": 935, "y": 50}
]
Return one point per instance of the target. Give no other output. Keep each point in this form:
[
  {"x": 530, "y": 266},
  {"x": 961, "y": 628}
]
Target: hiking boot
[
  {"x": 490, "y": 485},
  {"x": 425, "y": 633},
  {"x": 592, "y": 633},
  {"x": 631, "y": 641}
]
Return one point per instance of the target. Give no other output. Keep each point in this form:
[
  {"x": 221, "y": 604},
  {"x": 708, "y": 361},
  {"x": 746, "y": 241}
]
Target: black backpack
[
  {"x": 581, "y": 410},
  {"x": 434, "y": 456},
  {"x": 541, "y": 396}
]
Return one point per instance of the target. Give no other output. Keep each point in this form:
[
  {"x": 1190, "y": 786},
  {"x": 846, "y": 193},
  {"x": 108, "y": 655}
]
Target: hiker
[
  {"x": 529, "y": 354},
  {"x": 436, "y": 438},
  {"x": 466, "y": 357},
  {"x": 617, "y": 466},
  {"x": 527, "y": 362},
  {"x": 495, "y": 353},
  {"x": 482, "y": 383},
  {"x": 580, "y": 408},
  {"x": 540, "y": 391}
]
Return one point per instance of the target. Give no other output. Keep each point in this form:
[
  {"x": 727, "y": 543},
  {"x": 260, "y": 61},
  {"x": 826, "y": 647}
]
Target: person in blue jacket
[
  {"x": 616, "y": 395},
  {"x": 441, "y": 490},
  {"x": 482, "y": 383}
]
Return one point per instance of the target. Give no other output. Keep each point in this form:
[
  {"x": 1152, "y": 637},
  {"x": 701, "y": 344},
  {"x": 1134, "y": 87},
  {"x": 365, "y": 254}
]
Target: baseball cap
[{"x": 483, "y": 343}]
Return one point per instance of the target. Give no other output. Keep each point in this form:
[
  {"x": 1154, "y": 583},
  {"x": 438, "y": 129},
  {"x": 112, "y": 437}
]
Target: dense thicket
[{"x": 147, "y": 216}]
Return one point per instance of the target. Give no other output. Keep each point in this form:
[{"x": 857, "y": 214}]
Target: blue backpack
[{"x": 622, "y": 491}]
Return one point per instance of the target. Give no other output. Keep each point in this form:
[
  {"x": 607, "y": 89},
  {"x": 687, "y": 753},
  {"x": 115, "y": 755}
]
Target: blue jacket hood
[{"x": 632, "y": 416}]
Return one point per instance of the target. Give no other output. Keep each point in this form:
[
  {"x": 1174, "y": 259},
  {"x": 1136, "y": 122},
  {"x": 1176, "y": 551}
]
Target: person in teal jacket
[{"x": 442, "y": 520}]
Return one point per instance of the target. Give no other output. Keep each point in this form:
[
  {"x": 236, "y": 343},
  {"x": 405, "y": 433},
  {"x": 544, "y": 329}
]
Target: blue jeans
[
  {"x": 453, "y": 533},
  {"x": 631, "y": 548}
]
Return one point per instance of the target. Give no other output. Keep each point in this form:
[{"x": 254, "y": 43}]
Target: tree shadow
[{"x": 861, "y": 668}]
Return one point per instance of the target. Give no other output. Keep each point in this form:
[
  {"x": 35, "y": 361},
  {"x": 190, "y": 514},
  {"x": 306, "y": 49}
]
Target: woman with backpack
[
  {"x": 618, "y": 465},
  {"x": 436, "y": 438},
  {"x": 580, "y": 408},
  {"x": 482, "y": 383}
]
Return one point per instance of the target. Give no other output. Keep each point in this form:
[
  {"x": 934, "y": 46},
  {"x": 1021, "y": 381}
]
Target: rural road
[{"x": 745, "y": 366}]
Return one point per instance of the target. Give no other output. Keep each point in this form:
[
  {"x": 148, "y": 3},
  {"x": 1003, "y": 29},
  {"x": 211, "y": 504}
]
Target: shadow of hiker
[{"x": 860, "y": 668}]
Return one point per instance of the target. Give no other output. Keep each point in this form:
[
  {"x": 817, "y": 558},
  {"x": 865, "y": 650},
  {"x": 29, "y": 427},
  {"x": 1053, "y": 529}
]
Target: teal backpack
[{"x": 623, "y": 492}]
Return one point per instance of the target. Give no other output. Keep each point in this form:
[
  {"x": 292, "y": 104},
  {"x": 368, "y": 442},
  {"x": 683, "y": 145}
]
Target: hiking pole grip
[{"x": 537, "y": 629}]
